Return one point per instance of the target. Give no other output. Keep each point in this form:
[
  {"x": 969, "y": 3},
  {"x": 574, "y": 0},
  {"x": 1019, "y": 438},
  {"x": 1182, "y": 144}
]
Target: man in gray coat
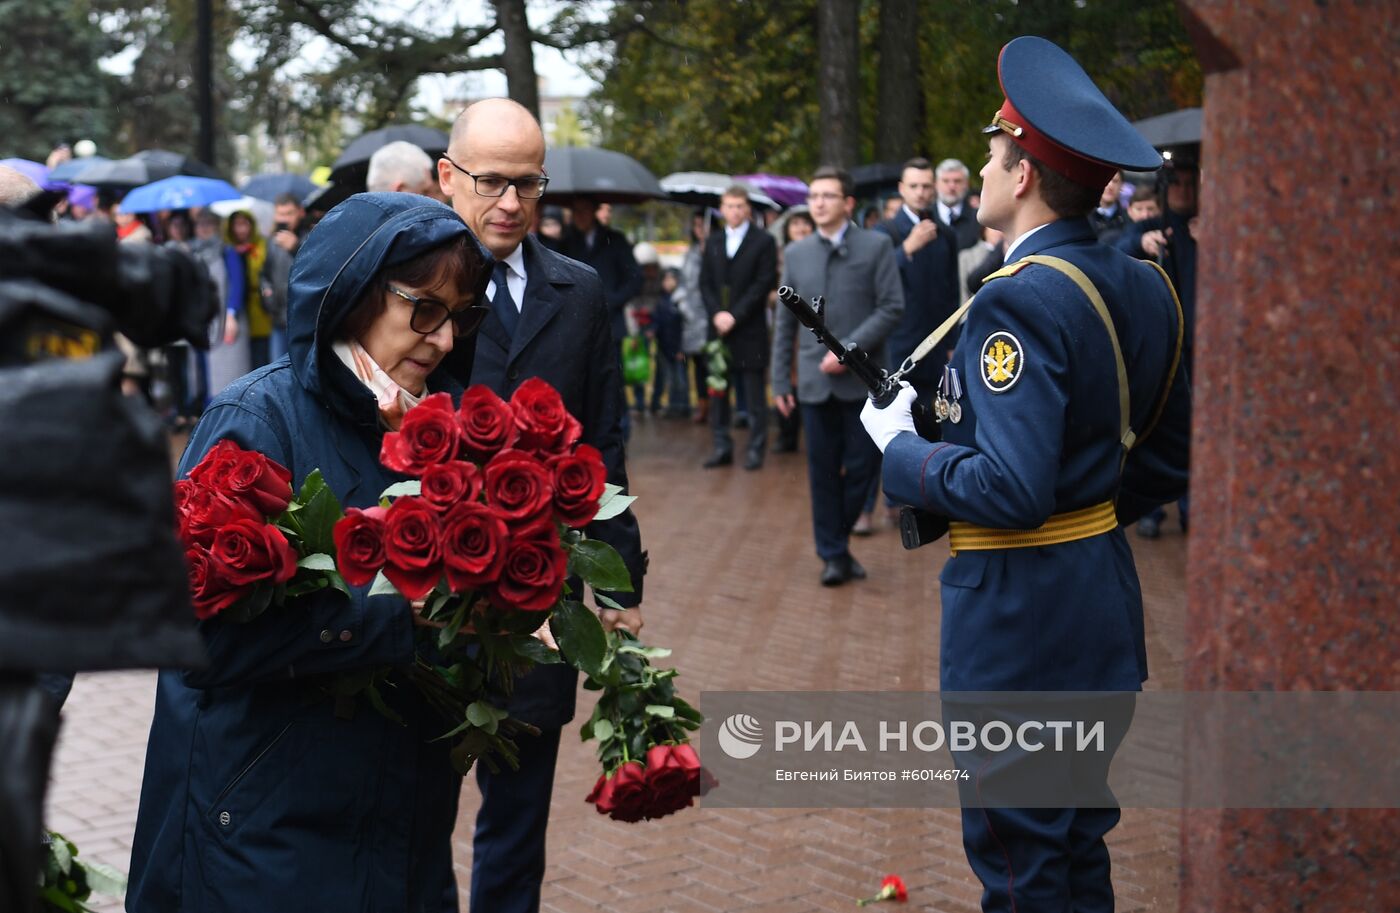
[{"x": 855, "y": 270}]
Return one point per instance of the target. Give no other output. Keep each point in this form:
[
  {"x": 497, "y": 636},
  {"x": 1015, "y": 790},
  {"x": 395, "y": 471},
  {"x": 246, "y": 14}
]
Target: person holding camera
[{"x": 257, "y": 794}]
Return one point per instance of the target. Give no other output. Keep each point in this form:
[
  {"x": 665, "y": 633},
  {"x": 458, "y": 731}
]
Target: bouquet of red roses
[
  {"x": 483, "y": 537},
  {"x": 649, "y": 768},
  {"x": 249, "y": 543}
]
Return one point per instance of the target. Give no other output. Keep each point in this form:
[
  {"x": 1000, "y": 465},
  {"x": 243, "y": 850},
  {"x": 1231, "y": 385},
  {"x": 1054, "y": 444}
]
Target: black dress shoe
[
  {"x": 754, "y": 461},
  {"x": 719, "y": 459},
  {"x": 857, "y": 572},
  {"x": 835, "y": 572}
]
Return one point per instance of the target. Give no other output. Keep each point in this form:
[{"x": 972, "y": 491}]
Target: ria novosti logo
[{"x": 740, "y": 736}]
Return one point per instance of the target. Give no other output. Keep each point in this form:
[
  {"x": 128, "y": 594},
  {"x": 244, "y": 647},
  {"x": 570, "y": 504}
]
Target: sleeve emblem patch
[{"x": 1002, "y": 361}]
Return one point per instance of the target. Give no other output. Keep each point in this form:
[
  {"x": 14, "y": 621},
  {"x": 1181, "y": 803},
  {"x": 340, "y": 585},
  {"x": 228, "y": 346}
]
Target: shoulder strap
[
  {"x": 1076, "y": 275},
  {"x": 1176, "y": 355}
]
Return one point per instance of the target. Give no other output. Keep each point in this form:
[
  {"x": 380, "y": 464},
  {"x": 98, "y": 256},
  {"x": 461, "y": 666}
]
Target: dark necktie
[{"x": 501, "y": 302}]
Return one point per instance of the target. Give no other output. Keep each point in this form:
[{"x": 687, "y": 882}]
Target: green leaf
[
  {"x": 382, "y": 586},
  {"x": 608, "y": 602},
  {"x": 613, "y": 502},
  {"x": 411, "y": 487},
  {"x": 534, "y": 649},
  {"x": 319, "y": 513},
  {"x": 661, "y": 711},
  {"x": 336, "y": 581},
  {"x": 53, "y": 895},
  {"x": 648, "y": 652},
  {"x": 317, "y": 562},
  {"x": 601, "y": 567},
  {"x": 62, "y": 852},
  {"x": 580, "y": 637},
  {"x": 484, "y": 716},
  {"x": 603, "y": 730},
  {"x": 104, "y": 879}
]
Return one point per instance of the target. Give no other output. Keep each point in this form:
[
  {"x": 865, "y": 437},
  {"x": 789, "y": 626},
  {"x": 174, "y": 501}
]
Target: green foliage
[
  {"x": 66, "y": 882},
  {"x": 718, "y": 86},
  {"x": 51, "y": 89}
]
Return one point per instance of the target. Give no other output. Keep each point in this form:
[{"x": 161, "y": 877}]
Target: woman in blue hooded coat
[{"x": 258, "y": 794}]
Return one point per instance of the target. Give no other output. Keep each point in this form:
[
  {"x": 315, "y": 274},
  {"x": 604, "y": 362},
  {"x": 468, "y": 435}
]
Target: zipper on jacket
[{"x": 250, "y": 765}]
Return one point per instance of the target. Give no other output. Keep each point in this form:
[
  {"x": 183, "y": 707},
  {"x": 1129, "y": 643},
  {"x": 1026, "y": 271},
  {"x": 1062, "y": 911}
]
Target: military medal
[
  {"x": 954, "y": 394},
  {"x": 941, "y": 409}
]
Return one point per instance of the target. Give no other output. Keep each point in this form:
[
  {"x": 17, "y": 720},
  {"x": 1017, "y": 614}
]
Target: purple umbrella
[
  {"x": 786, "y": 190},
  {"x": 35, "y": 172}
]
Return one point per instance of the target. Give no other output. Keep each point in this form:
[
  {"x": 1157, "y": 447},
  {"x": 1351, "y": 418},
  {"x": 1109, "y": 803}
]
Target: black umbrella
[
  {"x": 142, "y": 168},
  {"x": 604, "y": 175},
  {"x": 353, "y": 165},
  {"x": 270, "y": 186},
  {"x": 871, "y": 179},
  {"x": 326, "y": 198},
  {"x": 1175, "y": 128}
]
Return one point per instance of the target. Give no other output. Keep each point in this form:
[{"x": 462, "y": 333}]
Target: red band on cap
[{"x": 1057, "y": 158}]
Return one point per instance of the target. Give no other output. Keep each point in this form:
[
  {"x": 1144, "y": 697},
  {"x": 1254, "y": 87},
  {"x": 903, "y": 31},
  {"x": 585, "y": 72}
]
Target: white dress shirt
[{"x": 515, "y": 278}]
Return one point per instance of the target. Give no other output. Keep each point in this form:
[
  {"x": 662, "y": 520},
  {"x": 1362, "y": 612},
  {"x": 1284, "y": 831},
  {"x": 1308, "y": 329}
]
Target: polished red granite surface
[{"x": 1296, "y": 453}]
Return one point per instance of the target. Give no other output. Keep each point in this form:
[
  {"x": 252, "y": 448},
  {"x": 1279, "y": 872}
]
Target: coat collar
[
  {"x": 545, "y": 276},
  {"x": 1061, "y": 231}
]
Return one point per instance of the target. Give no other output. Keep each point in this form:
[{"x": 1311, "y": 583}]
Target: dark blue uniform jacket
[{"x": 1069, "y": 616}]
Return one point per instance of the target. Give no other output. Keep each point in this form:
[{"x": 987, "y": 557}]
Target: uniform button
[
  {"x": 224, "y": 819},
  {"x": 326, "y": 636},
  {"x": 345, "y": 637},
  {"x": 513, "y": 373}
]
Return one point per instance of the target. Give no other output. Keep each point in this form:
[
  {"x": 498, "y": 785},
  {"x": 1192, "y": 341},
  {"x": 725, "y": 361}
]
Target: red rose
[
  {"x": 205, "y": 512},
  {"x": 487, "y": 423},
  {"x": 183, "y": 489},
  {"x": 519, "y": 486},
  {"x": 427, "y": 435},
  {"x": 670, "y": 780},
  {"x": 446, "y": 484},
  {"x": 359, "y": 544},
  {"x": 412, "y": 547},
  {"x": 540, "y": 416},
  {"x": 210, "y": 590},
  {"x": 246, "y": 475},
  {"x": 601, "y": 794},
  {"x": 216, "y": 465},
  {"x": 263, "y": 483},
  {"x": 474, "y": 543},
  {"x": 579, "y": 478},
  {"x": 250, "y": 551},
  {"x": 534, "y": 570},
  {"x": 630, "y": 795},
  {"x": 892, "y": 887}
]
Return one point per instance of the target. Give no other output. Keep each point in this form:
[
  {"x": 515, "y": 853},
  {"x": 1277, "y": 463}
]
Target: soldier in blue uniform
[{"x": 1064, "y": 414}]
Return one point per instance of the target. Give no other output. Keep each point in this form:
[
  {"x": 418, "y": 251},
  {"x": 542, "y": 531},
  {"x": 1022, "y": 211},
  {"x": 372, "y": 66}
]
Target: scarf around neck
[{"x": 391, "y": 399}]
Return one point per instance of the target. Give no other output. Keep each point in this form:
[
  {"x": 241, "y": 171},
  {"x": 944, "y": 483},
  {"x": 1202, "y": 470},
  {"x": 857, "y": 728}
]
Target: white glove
[{"x": 883, "y": 424}]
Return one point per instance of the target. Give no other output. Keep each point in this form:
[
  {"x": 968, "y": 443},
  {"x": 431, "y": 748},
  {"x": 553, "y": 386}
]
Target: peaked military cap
[{"x": 1054, "y": 111}]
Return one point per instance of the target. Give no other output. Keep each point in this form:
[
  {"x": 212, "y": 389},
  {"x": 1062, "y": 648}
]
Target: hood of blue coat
[{"x": 342, "y": 254}]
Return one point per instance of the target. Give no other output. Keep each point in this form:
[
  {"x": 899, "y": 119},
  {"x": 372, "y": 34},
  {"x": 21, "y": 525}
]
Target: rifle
[{"x": 916, "y": 527}]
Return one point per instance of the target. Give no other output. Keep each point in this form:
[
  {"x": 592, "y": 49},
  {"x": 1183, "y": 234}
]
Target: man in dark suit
[
  {"x": 609, "y": 252},
  {"x": 739, "y": 269},
  {"x": 953, "y": 209},
  {"x": 549, "y": 320},
  {"x": 1109, "y": 218},
  {"x": 928, "y": 267}
]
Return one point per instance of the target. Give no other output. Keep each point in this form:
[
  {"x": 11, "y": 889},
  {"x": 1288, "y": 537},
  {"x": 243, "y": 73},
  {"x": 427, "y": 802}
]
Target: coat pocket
[{"x": 231, "y": 807}]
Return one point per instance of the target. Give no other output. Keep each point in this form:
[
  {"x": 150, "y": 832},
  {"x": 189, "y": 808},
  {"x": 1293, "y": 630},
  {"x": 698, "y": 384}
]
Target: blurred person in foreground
[{"x": 257, "y": 794}]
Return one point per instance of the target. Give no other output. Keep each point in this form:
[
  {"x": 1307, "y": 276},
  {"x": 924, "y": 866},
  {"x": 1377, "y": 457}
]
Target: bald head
[
  {"x": 497, "y": 137},
  {"x": 496, "y": 122},
  {"x": 15, "y": 187}
]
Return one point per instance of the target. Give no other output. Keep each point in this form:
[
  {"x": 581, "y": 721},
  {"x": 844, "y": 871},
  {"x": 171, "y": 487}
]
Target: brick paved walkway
[{"x": 711, "y": 535}]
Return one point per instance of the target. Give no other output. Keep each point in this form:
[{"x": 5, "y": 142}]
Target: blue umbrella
[
  {"x": 270, "y": 186},
  {"x": 178, "y": 192},
  {"x": 68, "y": 171}
]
